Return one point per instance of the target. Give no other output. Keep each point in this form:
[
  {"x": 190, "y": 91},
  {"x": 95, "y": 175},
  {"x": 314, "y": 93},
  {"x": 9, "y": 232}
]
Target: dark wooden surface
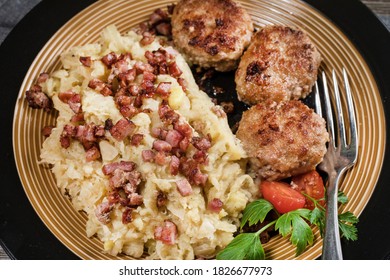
[{"x": 12, "y": 11}]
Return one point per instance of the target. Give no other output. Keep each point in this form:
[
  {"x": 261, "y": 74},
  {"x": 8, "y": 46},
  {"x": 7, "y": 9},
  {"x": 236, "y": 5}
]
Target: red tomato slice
[
  {"x": 282, "y": 196},
  {"x": 310, "y": 183}
]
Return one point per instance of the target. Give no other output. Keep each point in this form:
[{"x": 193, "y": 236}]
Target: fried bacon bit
[
  {"x": 109, "y": 59},
  {"x": 215, "y": 205},
  {"x": 72, "y": 99},
  {"x": 136, "y": 139},
  {"x": 86, "y": 61},
  {"x": 102, "y": 212},
  {"x": 42, "y": 78},
  {"x": 123, "y": 183},
  {"x": 174, "y": 138},
  {"x": 46, "y": 130},
  {"x": 184, "y": 187},
  {"x": 148, "y": 155},
  {"x": 161, "y": 145},
  {"x": 127, "y": 215},
  {"x": 160, "y": 158},
  {"x": 147, "y": 38},
  {"x": 109, "y": 168},
  {"x": 164, "y": 28},
  {"x": 163, "y": 89},
  {"x": 166, "y": 233},
  {"x": 174, "y": 70},
  {"x": 201, "y": 143},
  {"x": 92, "y": 154},
  {"x": 174, "y": 165},
  {"x": 190, "y": 169},
  {"x": 37, "y": 99},
  {"x": 122, "y": 129},
  {"x": 100, "y": 86}
]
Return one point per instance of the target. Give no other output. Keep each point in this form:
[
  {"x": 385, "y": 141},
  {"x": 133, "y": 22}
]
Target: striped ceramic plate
[{"x": 69, "y": 226}]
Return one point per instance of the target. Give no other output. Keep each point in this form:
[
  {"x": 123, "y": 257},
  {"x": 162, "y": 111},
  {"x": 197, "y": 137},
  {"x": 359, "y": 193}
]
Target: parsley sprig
[{"x": 294, "y": 225}]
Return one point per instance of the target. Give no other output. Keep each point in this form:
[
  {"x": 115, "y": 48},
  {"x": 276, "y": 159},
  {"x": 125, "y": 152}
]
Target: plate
[{"x": 68, "y": 226}]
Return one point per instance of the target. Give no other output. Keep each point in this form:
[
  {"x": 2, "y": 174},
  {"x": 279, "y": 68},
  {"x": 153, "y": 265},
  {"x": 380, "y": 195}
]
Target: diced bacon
[
  {"x": 122, "y": 129},
  {"x": 164, "y": 28},
  {"x": 65, "y": 141},
  {"x": 102, "y": 212},
  {"x": 78, "y": 118},
  {"x": 118, "y": 179},
  {"x": 128, "y": 111},
  {"x": 182, "y": 83},
  {"x": 215, "y": 205},
  {"x": 134, "y": 90},
  {"x": 141, "y": 67},
  {"x": 201, "y": 143},
  {"x": 136, "y": 139},
  {"x": 86, "y": 61},
  {"x": 161, "y": 145},
  {"x": 37, "y": 99},
  {"x": 74, "y": 103},
  {"x": 127, "y": 215},
  {"x": 174, "y": 137},
  {"x": 183, "y": 145},
  {"x": 167, "y": 115},
  {"x": 135, "y": 199},
  {"x": 92, "y": 154},
  {"x": 160, "y": 158},
  {"x": 166, "y": 233},
  {"x": 174, "y": 70},
  {"x": 127, "y": 77},
  {"x": 42, "y": 78},
  {"x": 96, "y": 84},
  {"x": 174, "y": 165},
  {"x": 46, "y": 130},
  {"x": 109, "y": 59},
  {"x": 147, "y": 38},
  {"x": 184, "y": 187},
  {"x": 200, "y": 157},
  {"x": 199, "y": 178},
  {"x": 148, "y": 155},
  {"x": 109, "y": 168},
  {"x": 184, "y": 128},
  {"x": 163, "y": 89}
]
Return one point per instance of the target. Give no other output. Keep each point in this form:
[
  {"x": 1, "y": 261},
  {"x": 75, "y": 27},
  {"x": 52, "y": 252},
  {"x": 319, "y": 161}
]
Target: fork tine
[
  {"x": 317, "y": 100},
  {"x": 340, "y": 116},
  {"x": 328, "y": 106},
  {"x": 351, "y": 114}
]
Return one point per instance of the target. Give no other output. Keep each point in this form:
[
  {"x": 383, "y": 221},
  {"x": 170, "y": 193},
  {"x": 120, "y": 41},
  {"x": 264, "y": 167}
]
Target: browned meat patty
[
  {"x": 280, "y": 64},
  {"x": 282, "y": 139},
  {"x": 211, "y": 33}
]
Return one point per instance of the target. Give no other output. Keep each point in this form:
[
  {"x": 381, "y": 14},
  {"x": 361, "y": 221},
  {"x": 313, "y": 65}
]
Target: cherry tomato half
[
  {"x": 282, "y": 196},
  {"x": 311, "y": 184}
]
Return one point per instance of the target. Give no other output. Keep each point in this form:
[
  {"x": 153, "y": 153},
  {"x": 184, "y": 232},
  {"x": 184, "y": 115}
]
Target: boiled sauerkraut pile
[{"x": 143, "y": 151}]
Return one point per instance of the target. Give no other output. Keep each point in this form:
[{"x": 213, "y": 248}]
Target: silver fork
[{"x": 340, "y": 156}]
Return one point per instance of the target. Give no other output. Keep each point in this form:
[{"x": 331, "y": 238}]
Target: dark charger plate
[{"x": 23, "y": 234}]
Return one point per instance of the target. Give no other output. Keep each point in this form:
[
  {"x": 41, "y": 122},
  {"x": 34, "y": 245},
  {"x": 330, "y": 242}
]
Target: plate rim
[{"x": 88, "y": 2}]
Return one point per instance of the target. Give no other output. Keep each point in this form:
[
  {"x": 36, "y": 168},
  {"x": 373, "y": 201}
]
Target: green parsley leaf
[
  {"x": 342, "y": 198},
  {"x": 293, "y": 223},
  {"x": 243, "y": 246},
  {"x": 317, "y": 217},
  {"x": 347, "y": 227},
  {"x": 255, "y": 212}
]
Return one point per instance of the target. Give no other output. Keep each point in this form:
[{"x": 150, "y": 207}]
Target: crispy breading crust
[
  {"x": 280, "y": 64},
  {"x": 211, "y": 33}
]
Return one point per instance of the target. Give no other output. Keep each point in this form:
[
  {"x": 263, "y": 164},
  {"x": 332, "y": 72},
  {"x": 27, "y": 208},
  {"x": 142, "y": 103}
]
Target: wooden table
[{"x": 11, "y": 12}]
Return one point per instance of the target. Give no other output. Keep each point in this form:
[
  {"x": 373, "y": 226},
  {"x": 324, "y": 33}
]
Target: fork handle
[{"x": 331, "y": 248}]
